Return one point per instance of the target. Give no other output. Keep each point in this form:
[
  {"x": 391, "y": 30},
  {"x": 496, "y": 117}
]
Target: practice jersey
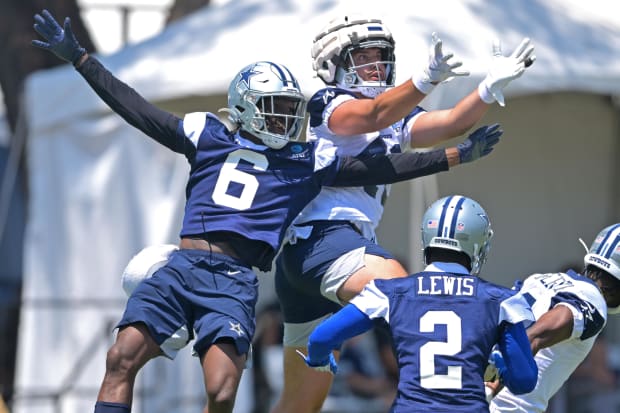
[
  {"x": 556, "y": 363},
  {"x": 249, "y": 189},
  {"x": 361, "y": 205},
  {"x": 444, "y": 324}
]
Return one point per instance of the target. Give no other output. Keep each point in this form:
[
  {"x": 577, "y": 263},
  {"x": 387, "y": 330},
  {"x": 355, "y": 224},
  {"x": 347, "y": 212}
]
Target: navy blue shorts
[
  {"x": 212, "y": 294},
  {"x": 300, "y": 268}
]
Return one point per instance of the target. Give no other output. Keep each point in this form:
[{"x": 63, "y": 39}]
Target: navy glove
[
  {"x": 328, "y": 366},
  {"x": 60, "y": 42},
  {"x": 480, "y": 143}
]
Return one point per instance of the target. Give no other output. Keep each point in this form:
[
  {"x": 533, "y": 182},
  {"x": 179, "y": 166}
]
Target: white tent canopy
[{"x": 100, "y": 191}]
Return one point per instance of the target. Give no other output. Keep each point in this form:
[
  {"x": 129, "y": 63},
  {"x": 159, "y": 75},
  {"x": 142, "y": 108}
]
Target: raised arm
[
  {"x": 437, "y": 126},
  {"x": 122, "y": 99},
  {"x": 358, "y": 116}
]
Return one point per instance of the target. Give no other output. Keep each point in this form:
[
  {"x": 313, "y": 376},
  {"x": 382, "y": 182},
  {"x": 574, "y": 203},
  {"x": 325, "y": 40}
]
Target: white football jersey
[
  {"x": 360, "y": 205},
  {"x": 556, "y": 363}
]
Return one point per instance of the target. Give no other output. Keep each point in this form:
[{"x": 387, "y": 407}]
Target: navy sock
[{"x": 108, "y": 407}]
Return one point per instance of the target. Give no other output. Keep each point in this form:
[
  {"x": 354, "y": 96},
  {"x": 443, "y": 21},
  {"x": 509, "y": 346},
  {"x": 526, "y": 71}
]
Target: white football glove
[
  {"x": 504, "y": 69},
  {"x": 439, "y": 68}
]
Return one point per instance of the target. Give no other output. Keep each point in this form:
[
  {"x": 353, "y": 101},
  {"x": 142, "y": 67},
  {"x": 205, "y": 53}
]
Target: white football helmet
[
  {"x": 605, "y": 254},
  {"x": 460, "y": 224},
  {"x": 332, "y": 47},
  {"x": 265, "y": 100}
]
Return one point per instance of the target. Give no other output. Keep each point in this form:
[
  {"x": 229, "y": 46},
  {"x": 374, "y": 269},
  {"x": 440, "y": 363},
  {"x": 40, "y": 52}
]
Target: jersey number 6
[{"x": 229, "y": 173}]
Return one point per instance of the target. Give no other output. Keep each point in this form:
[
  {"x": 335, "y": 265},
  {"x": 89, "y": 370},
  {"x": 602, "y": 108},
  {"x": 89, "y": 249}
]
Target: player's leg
[
  {"x": 132, "y": 349},
  {"x": 222, "y": 367},
  {"x": 375, "y": 266},
  {"x": 305, "y": 389},
  {"x": 309, "y": 274},
  {"x": 223, "y": 307}
]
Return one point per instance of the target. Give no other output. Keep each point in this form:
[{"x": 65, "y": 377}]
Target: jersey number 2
[
  {"x": 428, "y": 377},
  {"x": 229, "y": 174}
]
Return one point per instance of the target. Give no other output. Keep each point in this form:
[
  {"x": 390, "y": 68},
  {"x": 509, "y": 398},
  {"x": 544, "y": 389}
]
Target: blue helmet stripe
[
  {"x": 604, "y": 242},
  {"x": 612, "y": 243},
  {"x": 282, "y": 72},
  {"x": 444, "y": 208},
  {"x": 293, "y": 80},
  {"x": 457, "y": 211}
]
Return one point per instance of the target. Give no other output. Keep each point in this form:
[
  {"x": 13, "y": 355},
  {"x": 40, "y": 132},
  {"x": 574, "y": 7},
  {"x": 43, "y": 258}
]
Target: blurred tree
[{"x": 17, "y": 57}]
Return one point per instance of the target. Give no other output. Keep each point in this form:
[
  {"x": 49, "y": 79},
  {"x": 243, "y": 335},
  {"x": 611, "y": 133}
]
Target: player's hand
[
  {"x": 59, "y": 41},
  {"x": 479, "y": 143},
  {"x": 439, "y": 68},
  {"x": 504, "y": 69},
  {"x": 328, "y": 366},
  {"x": 498, "y": 360}
]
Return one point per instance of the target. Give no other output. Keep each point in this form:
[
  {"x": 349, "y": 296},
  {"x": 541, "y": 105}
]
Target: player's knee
[
  {"x": 221, "y": 395},
  {"x": 119, "y": 363}
]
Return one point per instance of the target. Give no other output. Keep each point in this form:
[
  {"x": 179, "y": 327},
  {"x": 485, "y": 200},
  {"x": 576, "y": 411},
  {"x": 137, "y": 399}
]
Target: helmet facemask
[
  {"x": 265, "y": 100},
  {"x": 348, "y": 77},
  {"x": 277, "y": 119}
]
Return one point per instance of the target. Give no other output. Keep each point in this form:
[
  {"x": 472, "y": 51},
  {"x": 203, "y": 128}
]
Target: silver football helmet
[
  {"x": 605, "y": 254},
  {"x": 460, "y": 224},
  {"x": 332, "y": 47},
  {"x": 265, "y": 99}
]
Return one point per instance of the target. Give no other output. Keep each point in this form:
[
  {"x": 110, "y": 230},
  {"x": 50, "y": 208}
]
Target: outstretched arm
[
  {"x": 386, "y": 169},
  {"x": 358, "y": 116},
  {"x": 122, "y": 99},
  {"x": 437, "y": 126}
]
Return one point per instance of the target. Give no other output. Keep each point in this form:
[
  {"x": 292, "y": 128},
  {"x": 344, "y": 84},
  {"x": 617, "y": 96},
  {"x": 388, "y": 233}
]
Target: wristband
[
  {"x": 421, "y": 82},
  {"x": 485, "y": 94}
]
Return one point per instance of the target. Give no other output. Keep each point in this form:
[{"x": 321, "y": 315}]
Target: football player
[
  {"x": 332, "y": 250},
  {"x": 249, "y": 178},
  {"x": 444, "y": 321},
  {"x": 571, "y": 310}
]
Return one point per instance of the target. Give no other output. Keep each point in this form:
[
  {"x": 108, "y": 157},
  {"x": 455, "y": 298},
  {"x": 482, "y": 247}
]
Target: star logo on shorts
[{"x": 236, "y": 327}]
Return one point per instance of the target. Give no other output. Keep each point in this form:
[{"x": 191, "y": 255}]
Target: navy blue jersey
[
  {"x": 251, "y": 190},
  {"x": 443, "y": 327}
]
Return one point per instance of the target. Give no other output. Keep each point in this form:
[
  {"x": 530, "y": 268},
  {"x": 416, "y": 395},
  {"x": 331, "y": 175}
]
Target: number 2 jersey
[
  {"x": 556, "y": 363},
  {"x": 238, "y": 191},
  {"x": 444, "y": 324}
]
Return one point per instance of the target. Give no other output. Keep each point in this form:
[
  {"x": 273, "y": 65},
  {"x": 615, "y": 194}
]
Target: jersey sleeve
[
  {"x": 372, "y": 302},
  {"x": 327, "y": 98},
  {"x": 388, "y": 169},
  {"x": 516, "y": 309},
  {"x": 158, "y": 124},
  {"x": 587, "y": 320},
  {"x": 408, "y": 139}
]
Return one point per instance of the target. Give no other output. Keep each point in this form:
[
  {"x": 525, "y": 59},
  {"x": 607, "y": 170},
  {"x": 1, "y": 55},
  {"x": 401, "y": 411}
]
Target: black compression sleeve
[
  {"x": 390, "y": 168},
  {"x": 122, "y": 99}
]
